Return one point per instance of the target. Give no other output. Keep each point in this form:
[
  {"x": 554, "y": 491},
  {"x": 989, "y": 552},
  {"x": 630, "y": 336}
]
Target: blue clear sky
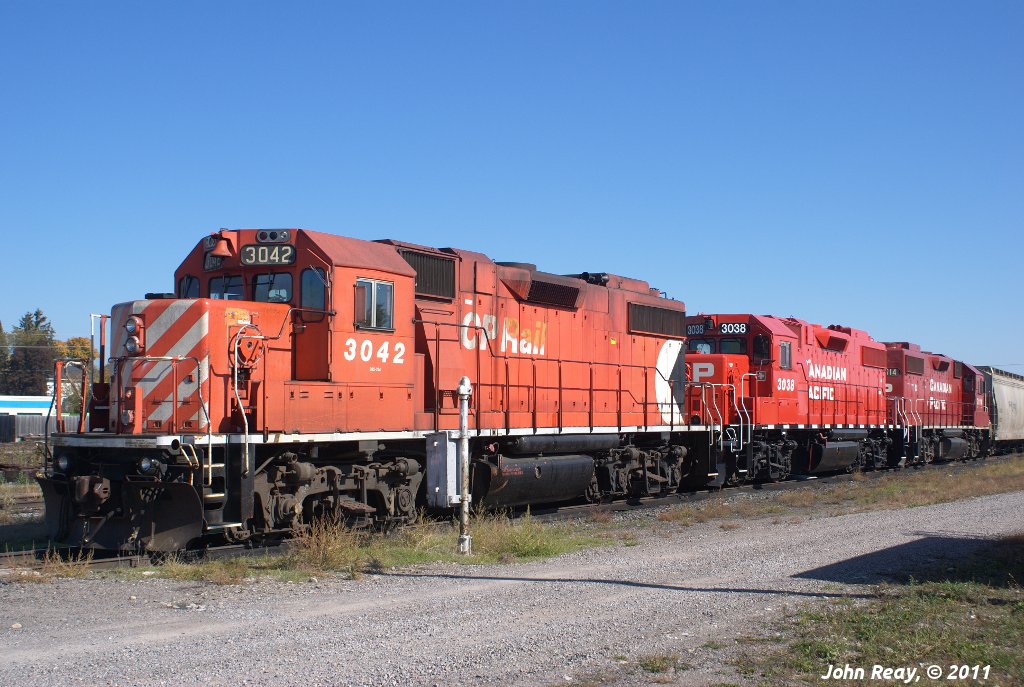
[{"x": 850, "y": 162}]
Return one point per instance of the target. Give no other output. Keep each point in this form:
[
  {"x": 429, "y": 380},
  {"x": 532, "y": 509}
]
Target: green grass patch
[
  {"x": 971, "y": 614},
  {"x": 662, "y": 663}
]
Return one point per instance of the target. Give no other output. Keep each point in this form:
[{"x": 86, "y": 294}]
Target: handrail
[
  {"x": 56, "y": 402},
  {"x": 750, "y": 415},
  {"x": 533, "y": 388},
  {"x": 118, "y": 363}
]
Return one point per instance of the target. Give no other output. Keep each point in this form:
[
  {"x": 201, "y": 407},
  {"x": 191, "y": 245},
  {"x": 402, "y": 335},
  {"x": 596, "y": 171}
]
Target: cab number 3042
[{"x": 364, "y": 349}]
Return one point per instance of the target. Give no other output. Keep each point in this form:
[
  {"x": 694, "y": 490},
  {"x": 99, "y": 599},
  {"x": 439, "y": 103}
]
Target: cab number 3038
[{"x": 364, "y": 349}]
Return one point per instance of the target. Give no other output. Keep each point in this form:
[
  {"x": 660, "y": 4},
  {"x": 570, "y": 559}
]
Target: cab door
[{"x": 311, "y": 328}]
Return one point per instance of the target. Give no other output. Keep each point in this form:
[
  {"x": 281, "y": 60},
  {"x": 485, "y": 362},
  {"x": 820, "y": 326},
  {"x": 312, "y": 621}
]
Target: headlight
[
  {"x": 133, "y": 325},
  {"x": 149, "y": 466},
  {"x": 133, "y": 345},
  {"x": 63, "y": 463}
]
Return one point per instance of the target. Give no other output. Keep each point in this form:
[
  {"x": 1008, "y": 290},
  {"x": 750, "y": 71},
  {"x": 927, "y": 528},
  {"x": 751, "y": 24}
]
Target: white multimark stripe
[
  {"x": 158, "y": 327},
  {"x": 162, "y": 413},
  {"x": 182, "y": 347}
]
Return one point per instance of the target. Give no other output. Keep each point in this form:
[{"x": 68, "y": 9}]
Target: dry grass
[
  {"x": 26, "y": 454},
  {"x": 905, "y": 489},
  {"x": 911, "y": 488},
  {"x": 57, "y": 564},
  {"x": 9, "y": 494},
  {"x": 230, "y": 571},
  {"x": 798, "y": 498},
  {"x": 717, "y": 508},
  {"x": 328, "y": 547},
  {"x": 331, "y": 549}
]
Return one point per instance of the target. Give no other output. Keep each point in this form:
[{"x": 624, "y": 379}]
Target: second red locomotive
[{"x": 795, "y": 397}]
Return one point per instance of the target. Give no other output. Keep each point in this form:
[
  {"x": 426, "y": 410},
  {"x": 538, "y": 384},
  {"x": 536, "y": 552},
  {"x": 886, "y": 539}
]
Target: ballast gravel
[{"x": 554, "y": 622}]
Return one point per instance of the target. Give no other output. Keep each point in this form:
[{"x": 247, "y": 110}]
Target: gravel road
[{"x": 544, "y": 623}]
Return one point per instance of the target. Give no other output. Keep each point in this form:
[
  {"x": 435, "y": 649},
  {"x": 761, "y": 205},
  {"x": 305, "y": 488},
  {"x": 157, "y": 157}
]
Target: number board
[
  {"x": 733, "y": 327},
  {"x": 212, "y": 262},
  {"x": 253, "y": 254},
  {"x": 694, "y": 329}
]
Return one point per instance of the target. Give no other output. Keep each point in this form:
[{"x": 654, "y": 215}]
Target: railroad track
[
  {"x": 38, "y": 558},
  {"x": 22, "y": 502},
  {"x": 13, "y": 473},
  {"x": 692, "y": 497}
]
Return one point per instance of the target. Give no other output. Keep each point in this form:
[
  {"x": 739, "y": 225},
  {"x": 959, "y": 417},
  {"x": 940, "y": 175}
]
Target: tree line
[{"x": 28, "y": 352}]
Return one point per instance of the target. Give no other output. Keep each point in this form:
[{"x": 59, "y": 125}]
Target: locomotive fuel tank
[
  {"x": 551, "y": 443},
  {"x": 833, "y": 456},
  {"x": 952, "y": 448},
  {"x": 502, "y": 481}
]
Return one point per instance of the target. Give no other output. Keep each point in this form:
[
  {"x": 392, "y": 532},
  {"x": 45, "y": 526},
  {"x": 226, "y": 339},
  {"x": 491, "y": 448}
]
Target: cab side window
[
  {"x": 313, "y": 293},
  {"x": 374, "y": 304},
  {"x": 762, "y": 348},
  {"x": 226, "y": 288},
  {"x": 732, "y": 346},
  {"x": 275, "y": 287},
  {"x": 701, "y": 345},
  {"x": 785, "y": 355},
  {"x": 188, "y": 287}
]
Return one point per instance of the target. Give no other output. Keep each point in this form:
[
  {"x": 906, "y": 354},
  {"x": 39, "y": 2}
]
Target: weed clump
[{"x": 327, "y": 546}]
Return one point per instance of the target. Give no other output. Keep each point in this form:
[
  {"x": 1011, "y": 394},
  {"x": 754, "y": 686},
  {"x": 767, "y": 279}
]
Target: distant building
[{"x": 25, "y": 405}]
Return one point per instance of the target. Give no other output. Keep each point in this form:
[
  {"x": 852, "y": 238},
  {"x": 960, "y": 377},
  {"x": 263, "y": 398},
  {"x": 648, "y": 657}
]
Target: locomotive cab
[
  {"x": 269, "y": 333},
  {"x": 752, "y": 357}
]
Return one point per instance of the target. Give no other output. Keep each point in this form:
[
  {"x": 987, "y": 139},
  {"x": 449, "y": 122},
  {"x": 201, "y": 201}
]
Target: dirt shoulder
[{"x": 677, "y": 599}]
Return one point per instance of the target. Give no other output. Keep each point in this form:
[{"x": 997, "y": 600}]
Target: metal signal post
[{"x": 465, "y": 540}]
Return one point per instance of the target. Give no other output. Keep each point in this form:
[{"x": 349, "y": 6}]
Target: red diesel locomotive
[
  {"x": 786, "y": 396},
  {"x": 295, "y": 375}
]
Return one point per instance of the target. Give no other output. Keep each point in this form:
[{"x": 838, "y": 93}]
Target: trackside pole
[{"x": 465, "y": 541}]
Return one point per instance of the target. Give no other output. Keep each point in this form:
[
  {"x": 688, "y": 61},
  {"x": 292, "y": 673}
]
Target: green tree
[
  {"x": 5, "y": 360},
  {"x": 76, "y": 348},
  {"x": 32, "y": 355}
]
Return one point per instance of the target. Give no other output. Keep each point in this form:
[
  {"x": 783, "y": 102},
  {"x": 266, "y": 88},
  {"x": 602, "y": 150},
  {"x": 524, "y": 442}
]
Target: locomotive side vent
[
  {"x": 550, "y": 293},
  {"x": 915, "y": 365},
  {"x": 872, "y": 357},
  {"x": 435, "y": 276},
  {"x": 648, "y": 319}
]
